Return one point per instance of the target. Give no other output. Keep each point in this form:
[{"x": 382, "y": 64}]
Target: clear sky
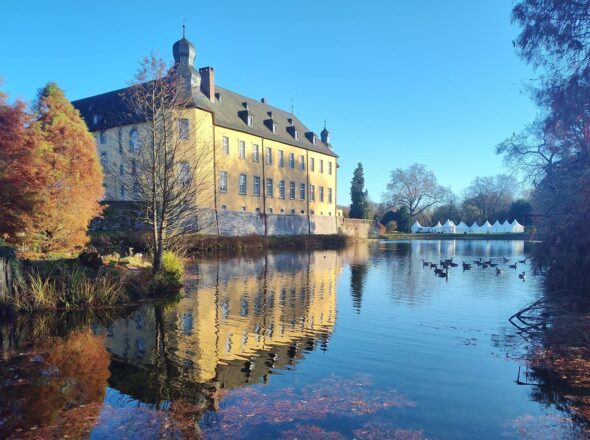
[{"x": 399, "y": 81}]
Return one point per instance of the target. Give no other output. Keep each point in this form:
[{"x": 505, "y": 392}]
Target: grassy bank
[
  {"x": 404, "y": 236},
  {"x": 199, "y": 245}
]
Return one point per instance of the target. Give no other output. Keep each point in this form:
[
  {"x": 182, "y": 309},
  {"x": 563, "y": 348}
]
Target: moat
[{"x": 363, "y": 343}]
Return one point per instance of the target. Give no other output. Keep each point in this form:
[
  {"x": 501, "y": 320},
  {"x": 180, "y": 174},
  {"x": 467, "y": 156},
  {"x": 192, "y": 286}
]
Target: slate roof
[{"x": 229, "y": 111}]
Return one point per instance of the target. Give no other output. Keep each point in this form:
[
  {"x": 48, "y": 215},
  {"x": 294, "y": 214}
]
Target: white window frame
[
  {"x": 256, "y": 186},
  {"x": 268, "y": 156},
  {"x": 242, "y": 148},
  {"x": 330, "y": 168},
  {"x": 269, "y": 187},
  {"x": 302, "y": 191},
  {"x": 281, "y": 158},
  {"x": 330, "y": 195},
  {"x": 255, "y": 152},
  {"x": 321, "y": 194},
  {"x": 292, "y": 161},
  {"x": 243, "y": 184},
  {"x": 225, "y": 145},
  {"x": 292, "y": 190},
  {"x": 312, "y": 164},
  {"x": 312, "y": 193},
  {"x": 282, "y": 189},
  {"x": 223, "y": 181},
  {"x": 302, "y": 162}
]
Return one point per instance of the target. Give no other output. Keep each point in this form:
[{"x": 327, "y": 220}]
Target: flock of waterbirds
[{"x": 442, "y": 269}]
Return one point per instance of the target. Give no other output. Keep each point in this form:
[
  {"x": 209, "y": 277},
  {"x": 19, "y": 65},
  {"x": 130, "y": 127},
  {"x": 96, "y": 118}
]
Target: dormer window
[
  {"x": 274, "y": 127},
  {"x": 296, "y": 135},
  {"x": 95, "y": 119},
  {"x": 250, "y": 121},
  {"x": 314, "y": 139}
]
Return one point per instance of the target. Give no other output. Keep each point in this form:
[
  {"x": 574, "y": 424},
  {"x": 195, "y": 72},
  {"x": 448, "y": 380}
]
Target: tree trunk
[{"x": 9, "y": 274}]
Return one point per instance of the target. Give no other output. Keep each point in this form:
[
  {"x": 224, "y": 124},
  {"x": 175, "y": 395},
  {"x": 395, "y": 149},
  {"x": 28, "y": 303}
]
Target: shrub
[{"x": 168, "y": 280}]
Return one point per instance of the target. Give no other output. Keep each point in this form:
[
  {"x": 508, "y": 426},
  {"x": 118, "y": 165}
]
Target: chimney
[{"x": 208, "y": 82}]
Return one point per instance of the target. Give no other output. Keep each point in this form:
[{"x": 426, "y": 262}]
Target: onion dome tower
[{"x": 184, "y": 57}]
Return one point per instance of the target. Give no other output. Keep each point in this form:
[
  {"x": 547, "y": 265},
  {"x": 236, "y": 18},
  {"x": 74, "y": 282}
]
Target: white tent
[
  {"x": 497, "y": 228},
  {"x": 475, "y": 228},
  {"x": 416, "y": 227},
  {"x": 436, "y": 228},
  {"x": 449, "y": 227},
  {"x": 506, "y": 226},
  {"x": 462, "y": 228},
  {"x": 486, "y": 228},
  {"x": 516, "y": 227}
]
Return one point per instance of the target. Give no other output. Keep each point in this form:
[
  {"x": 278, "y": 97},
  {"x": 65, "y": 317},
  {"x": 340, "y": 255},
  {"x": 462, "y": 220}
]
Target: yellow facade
[{"x": 224, "y": 150}]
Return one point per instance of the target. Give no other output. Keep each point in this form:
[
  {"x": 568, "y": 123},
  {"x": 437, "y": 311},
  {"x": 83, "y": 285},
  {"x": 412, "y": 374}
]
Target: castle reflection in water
[{"x": 240, "y": 320}]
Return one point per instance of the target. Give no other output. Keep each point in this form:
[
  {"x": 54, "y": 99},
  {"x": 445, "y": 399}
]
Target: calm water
[{"x": 363, "y": 343}]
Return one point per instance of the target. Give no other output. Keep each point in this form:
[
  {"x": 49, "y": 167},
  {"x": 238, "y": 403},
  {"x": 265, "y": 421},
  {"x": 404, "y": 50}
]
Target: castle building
[{"x": 261, "y": 159}]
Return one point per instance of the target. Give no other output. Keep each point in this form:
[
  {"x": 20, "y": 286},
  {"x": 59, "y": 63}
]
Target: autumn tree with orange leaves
[
  {"x": 50, "y": 175},
  {"x": 21, "y": 175}
]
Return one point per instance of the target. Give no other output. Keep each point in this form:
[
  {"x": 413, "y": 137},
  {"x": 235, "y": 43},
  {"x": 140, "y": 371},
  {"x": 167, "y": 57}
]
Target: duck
[
  {"x": 443, "y": 274},
  {"x": 454, "y": 265},
  {"x": 478, "y": 262},
  {"x": 512, "y": 266},
  {"x": 522, "y": 276},
  {"x": 438, "y": 271},
  {"x": 505, "y": 260},
  {"x": 493, "y": 264},
  {"x": 522, "y": 261},
  {"x": 426, "y": 263},
  {"x": 466, "y": 266},
  {"x": 498, "y": 271}
]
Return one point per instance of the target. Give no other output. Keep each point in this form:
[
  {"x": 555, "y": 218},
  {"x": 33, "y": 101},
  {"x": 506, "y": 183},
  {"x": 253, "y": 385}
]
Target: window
[
  {"x": 223, "y": 181},
  {"x": 242, "y": 184},
  {"x": 255, "y": 153},
  {"x": 274, "y": 127},
  {"x": 292, "y": 160},
  {"x": 269, "y": 210},
  {"x": 269, "y": 189},
  {"x": 224, "y": 207},
  {"x": 312, "y": 164},
  {"x": 321, "y": 194},
  {"x": 314, "y": 139},
  {"x": 184, "y": 173},
  {"x": 103, "y": 137},
  {"x": 281, "y": 158},
  {"x": 183, "y": 128},
  {"x": 292, "y": 190},
  {"x": 282, "y": 189},
  {"x": 242, "y": 149},
  {"x": 136, "y": 190},
  {"x": 133, "y": 140},
  {"x": 257, "y": 209},
  {"x": 122, "y": 192},
  {"x": 321, "y": 166},
  {"x": 302, "y": 211},
  {"x": 133, "y": 168},
  {"x": 312, "y": 193},
  {"x": 296, "y": 135},
  {"x": 103, "y": 159},
  {"x": 121, "y": 169},
  {"x": 250, "y": 121},
  {"x": 225, "y": 145},
  {"x": 243, "y": 208},
  {"x": 329, "y": 195},
  {"x": 302, "y": 191},
  {"x": 301, "y": 163},
  {"x": 330, "y": 168},
  {"x": 269, "y": 156},
  {"x": 292, "y": 211},
  {"x": 256, "y": 190}
]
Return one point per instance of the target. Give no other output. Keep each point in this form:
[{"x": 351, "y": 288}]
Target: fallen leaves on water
[
  {"x": 383, "y": 431},
  {"x": 248, "y": 407},
  {"x": 543, "y": 427}
]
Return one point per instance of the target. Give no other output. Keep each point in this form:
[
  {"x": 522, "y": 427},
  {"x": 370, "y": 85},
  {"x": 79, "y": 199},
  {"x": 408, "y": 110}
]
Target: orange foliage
[
  {"x": 65, "y": 391},
  {"x": 21, "y": 173},
  {"x": 70, "y": 199}
]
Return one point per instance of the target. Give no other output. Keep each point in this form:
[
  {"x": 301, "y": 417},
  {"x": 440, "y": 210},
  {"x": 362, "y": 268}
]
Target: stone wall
[{"x": 231, "y": 223}]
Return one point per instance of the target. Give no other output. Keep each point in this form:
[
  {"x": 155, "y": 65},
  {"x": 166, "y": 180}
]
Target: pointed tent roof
[
  {"x": 449, "y": 222},
  {"x": 462, "y": 224},
  {"x": 438, "y": 225},
  {"x": 486, "y": 225},
  {"x": 417, "y": 224}
]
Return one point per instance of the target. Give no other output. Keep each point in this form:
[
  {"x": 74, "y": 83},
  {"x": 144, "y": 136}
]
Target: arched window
[{"x": 134, "y": 140}]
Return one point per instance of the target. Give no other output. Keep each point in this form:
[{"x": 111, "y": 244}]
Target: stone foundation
[{"x": 231, "y": 223}]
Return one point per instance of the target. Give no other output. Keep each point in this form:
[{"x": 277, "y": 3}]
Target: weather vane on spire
[{"x": 183, "y": 27}]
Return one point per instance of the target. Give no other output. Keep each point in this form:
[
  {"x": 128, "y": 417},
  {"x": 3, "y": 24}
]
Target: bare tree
[
  {"x": 491, "y": 195},
  {"x": 166, "y": 167},
  {"x": 532, "y": 153},
  {"x": 416, "y": 188}
]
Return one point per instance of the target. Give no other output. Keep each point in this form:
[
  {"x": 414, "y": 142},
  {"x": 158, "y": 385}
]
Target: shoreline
[{"x": 404, "y": 236}]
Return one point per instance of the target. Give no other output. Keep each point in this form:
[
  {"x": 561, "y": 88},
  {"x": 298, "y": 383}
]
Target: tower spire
[{"x": 183, "y": 28}]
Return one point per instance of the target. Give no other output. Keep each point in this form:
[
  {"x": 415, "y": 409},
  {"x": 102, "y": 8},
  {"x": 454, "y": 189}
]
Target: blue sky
[{"x": 399, "y": 81}]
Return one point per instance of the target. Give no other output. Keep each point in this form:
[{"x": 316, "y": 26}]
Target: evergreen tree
[
  {"x": 74, "y": 179},
  {"x": 359, "y": 196}
]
